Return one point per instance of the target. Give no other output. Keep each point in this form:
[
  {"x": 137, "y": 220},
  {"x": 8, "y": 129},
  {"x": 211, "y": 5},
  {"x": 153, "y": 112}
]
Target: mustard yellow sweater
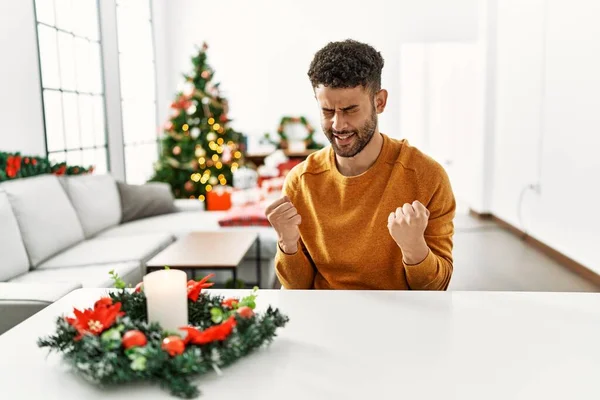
[{"x": 344, "y": 239}]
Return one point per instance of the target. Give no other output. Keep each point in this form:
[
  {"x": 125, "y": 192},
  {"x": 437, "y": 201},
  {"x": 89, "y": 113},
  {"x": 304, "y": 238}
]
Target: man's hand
[
  {"x": 284, "y": 217},
  {"x": 407, "y": 227}
]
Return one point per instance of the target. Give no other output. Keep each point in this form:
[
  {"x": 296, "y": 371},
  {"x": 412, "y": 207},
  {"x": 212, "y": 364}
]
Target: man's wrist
[
  {"x": 288, "y": 248},
  {"x": 415, "y": 253}
]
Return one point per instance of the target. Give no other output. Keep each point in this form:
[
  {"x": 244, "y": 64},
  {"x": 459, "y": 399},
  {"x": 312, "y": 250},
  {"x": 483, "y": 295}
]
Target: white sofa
[{"x": 60, "y": 234}]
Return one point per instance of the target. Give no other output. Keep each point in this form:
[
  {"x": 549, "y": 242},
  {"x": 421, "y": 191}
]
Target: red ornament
[
  {"x": 61, "y": 170},
  {"x": 95, "y": 321},
  {"x": 212, "y": 334},
  {"x": 33, "y": 162},
  {"x": 134, "y": 338},
  {"x": 173, "y": 345},
  {"x": 139, "y": 287},
  {"x": 182, "y": 103},
  {"x": 230, "y": 302},
  {"x": 194, "y": 288},
  {"x": 205, "y": 74},
  {"x": 223, "y": 118},
  {"x": 189, "y": 186},
  {"x": 245, "y": 312},
  {"x": 26, "y": 160}
]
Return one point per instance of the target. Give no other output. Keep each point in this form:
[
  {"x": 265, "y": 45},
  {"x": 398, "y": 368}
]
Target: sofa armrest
[
  {"x": 19, "y": 301},
  {"x": 182, "y": 205}
]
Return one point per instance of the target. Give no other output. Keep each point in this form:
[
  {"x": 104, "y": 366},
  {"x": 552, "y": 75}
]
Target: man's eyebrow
[{"x": 349, "y": 108}]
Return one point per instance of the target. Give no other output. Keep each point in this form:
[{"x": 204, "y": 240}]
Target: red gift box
[{"x": 218, "y": 200}]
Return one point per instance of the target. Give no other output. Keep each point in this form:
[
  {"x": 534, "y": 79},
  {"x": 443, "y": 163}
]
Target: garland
[
  {"x": 113, "y": 343},
  {"x": 14, "y": 166},
  {"x": 309, "y": 141}
]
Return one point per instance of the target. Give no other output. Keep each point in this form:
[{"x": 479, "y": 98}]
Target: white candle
[{"x": 166, "y": 298}]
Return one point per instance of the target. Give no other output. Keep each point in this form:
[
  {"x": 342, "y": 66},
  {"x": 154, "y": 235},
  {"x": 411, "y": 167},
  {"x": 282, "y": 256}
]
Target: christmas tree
[{"x": 199, "y": 150}]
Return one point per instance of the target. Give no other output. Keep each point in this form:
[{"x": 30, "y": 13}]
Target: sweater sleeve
[
  {"x": 435, "y": 271},
  {"x": 295, "y": 271}
]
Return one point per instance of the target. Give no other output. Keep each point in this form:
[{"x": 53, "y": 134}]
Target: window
[
  {"x": 73, "y": 94},
  {"x": 138, "y": 88}
]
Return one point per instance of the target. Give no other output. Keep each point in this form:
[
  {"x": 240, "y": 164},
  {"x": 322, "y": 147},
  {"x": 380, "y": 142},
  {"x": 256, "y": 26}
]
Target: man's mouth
[{"x": 343, "y": 139}]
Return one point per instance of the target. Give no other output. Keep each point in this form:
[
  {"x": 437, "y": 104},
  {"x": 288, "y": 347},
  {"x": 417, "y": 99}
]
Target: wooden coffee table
[{"x": 208, "y": 250}]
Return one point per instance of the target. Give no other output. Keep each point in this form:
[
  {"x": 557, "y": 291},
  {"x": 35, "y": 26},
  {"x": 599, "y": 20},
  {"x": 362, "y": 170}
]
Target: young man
[{"x": 369, "y": 212}]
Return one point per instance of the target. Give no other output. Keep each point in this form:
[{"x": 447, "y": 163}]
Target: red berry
[
  {"x": 173, "y": 345},
  {"x": 133, "y": 339},
  {"x": 245, "y": 312}
]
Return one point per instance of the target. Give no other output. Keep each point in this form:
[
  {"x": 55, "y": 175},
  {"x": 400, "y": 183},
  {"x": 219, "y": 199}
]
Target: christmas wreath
[
  {"x": 309, "y": 141},
  {"x": 113, "y": 343}
]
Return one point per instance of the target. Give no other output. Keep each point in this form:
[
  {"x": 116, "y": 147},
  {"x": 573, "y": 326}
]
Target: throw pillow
[{"x": 143, "y": 201}]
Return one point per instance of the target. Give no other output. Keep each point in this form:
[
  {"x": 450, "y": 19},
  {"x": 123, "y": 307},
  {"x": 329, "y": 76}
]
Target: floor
[{"x": 487, "y": 257}]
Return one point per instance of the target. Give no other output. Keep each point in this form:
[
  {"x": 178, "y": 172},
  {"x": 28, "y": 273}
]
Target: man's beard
[{"x": 361, "y": 137}]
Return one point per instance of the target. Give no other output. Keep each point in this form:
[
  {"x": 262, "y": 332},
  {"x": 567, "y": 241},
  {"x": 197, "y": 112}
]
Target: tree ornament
[
  {"x": 205, "y": 74},
  {"x": 176, "y": 150},
  {"x": 211, "y": 136},
  {"x": 189, "y": 186},
  {"x": 195, "y": 132}
]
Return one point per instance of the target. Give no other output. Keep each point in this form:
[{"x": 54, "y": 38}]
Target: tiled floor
[{"x": 487, "y": 257}]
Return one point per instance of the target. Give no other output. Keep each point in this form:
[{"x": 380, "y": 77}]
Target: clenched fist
[
  {"x": 407, "y": 227},
  {"x": 285, "y": 219}
]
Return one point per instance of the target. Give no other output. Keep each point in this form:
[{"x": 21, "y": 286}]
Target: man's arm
[
  {"x": 293, "y": 265},
  {"x": 296, "y": 270},
  {"x": 427, "y": 256}
]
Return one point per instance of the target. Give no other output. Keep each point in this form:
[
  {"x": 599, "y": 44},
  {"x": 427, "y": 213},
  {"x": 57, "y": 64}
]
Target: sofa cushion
[
  {"x": 47, "y": 220},
  {"x": 96, "y": 201},
  {"x": 14, "y": 257},
  {"x": 181, "y": 223},
  {"x": 89, "y": 276},
  {"x": 142, "y": 201},
  {"x": 19, "y": 301},
  {"x": 108, "y": 250}
]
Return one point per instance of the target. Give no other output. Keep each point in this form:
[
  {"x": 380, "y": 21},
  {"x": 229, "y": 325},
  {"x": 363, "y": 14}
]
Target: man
[{"x": 369, "y": 212}]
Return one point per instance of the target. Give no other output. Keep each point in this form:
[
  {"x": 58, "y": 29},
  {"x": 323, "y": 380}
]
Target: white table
[{"x": 367, "y": 345}]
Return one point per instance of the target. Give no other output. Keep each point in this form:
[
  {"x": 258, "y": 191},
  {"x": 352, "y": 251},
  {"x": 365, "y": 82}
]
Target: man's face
[{"x": 348, "y": 118}]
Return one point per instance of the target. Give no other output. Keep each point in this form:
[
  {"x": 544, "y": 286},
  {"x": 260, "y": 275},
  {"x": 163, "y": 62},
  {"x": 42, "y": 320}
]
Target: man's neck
[{"x": 360, "y": 163}]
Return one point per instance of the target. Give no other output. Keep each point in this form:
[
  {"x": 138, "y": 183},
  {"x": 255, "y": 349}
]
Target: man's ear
[{"x": 381, "y": 100}]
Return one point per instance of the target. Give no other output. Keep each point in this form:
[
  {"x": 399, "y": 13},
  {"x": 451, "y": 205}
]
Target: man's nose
[{"x": 339, "y": 122}]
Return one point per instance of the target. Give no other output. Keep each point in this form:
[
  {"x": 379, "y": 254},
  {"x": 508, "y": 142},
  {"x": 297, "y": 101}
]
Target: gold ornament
[
  {"x": 201, "y": 197},
  {"x": 220, "y": 141},
  {"x": 215, "y": 157},
  {"x": 208, "y": 188},
  {"x": 201, "y": 160},
  {"x": 219, "y": 165},
  {"x": 185, "y": 127},
  {"x": 211, "y": 121},
  {"x": 216, "y": 127},
  {"x": 237, "y": 154},
  {"x": 223, "y": 182}
]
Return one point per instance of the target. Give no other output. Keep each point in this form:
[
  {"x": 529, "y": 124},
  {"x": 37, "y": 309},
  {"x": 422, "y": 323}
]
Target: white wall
[
  {"x": 21, "y": 116},
  {"x": 547, "y": 123},
  {"x": 261, "y": 49}
]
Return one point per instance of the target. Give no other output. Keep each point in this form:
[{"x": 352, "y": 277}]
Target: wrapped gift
[
  {"x": 245, "y": 178},
  {"x": 253, "y": 215},
  {"x": 219, "y": 199}
]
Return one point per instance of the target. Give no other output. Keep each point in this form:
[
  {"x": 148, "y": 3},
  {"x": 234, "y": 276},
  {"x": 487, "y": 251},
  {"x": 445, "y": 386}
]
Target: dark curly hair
[{"x": 347, "y": 64}]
